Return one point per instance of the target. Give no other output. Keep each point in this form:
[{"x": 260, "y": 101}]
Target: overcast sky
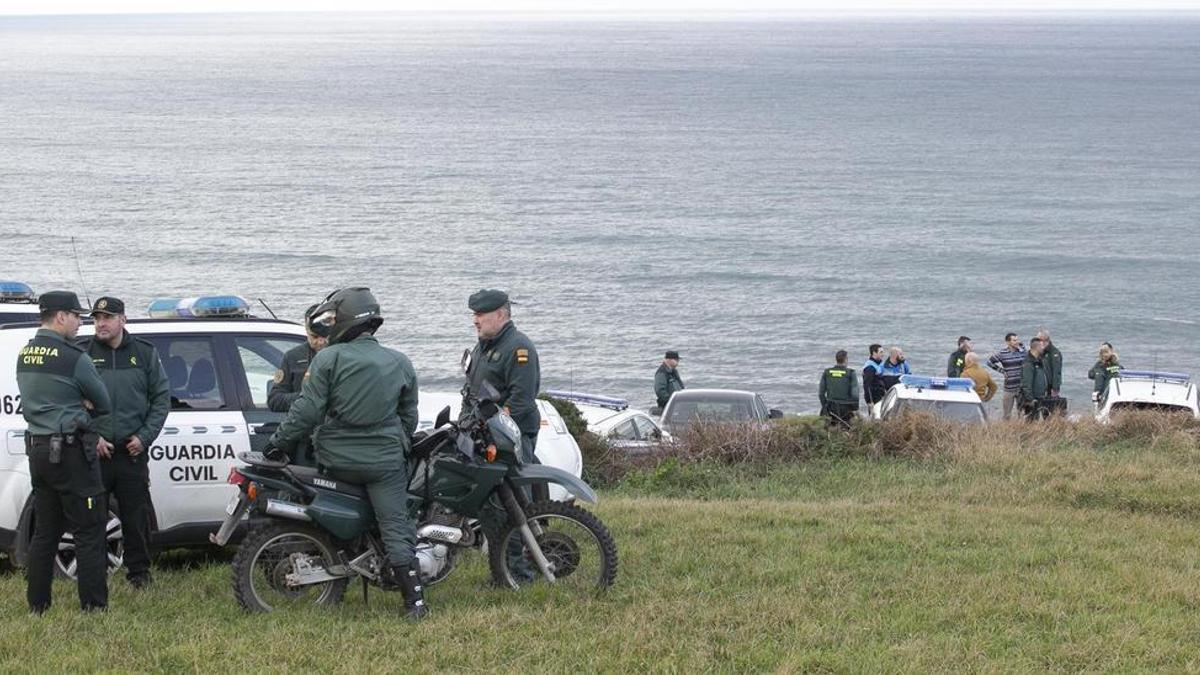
[{"x": 682, "y": 7}]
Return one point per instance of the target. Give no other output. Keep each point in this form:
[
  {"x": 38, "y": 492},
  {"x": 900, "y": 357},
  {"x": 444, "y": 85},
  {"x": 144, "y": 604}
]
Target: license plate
[{"x": 233, "y": 503}]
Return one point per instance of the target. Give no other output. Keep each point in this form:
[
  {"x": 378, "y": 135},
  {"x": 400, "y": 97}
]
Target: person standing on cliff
[{"x": 666, "y": 379}]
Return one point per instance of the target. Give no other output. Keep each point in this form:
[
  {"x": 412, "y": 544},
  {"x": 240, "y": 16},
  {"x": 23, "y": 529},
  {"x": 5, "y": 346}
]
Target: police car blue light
[
  {"x": 205, "y": 306},
  {"x": 590, "y": 399},
  {"x": 949, "y": 383},
  {"x": 15, "y": 291},
  {"x": 1182, "y": 378}
]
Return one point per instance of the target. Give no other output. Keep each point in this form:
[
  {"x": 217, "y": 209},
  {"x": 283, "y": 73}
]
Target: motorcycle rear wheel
[
  {"x": 575, "y": 542},
  {"x": 268, "y": 554}
]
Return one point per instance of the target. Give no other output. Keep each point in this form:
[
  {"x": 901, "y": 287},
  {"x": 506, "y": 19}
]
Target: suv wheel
[{"x": 65, "y": 563}]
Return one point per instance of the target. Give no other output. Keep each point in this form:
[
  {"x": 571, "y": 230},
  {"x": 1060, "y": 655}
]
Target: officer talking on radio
[
  {"x": 141, "y": 399},
  {"x": 57, "y": 382}
]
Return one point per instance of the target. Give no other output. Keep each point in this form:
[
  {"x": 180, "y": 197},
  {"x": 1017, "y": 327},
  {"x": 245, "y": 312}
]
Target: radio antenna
[
  {"x": 268, "y": 308},
  {"x": 79, "y": 271}
]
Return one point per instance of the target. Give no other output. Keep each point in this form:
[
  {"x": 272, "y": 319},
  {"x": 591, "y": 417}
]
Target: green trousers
[{"x": 388, "y": 491}]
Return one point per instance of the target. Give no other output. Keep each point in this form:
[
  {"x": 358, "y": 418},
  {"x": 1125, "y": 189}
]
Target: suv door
[
  {"x": 258, "y": 356},
  {"x": 204, "y": 432}
]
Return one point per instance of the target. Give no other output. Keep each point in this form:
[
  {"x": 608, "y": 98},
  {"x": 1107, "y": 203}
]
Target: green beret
[{"x": 487, "y": 300}]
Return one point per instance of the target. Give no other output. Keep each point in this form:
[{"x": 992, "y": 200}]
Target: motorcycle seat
[{"x": 314, "y": 478}]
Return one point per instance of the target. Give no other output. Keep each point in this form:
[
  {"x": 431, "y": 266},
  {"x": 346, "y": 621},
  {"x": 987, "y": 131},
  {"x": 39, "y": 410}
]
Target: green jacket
[
  {"x": 509, "y": 362},
  {"x": 1035, "y": 378},
  {"x": 666, "y": 382},
  {"x": 136, "y": 384},
  {"x": 289, "y": 379},
  {"x": 1053, "y": 360},
  {"x": 956, "y": 363},
  {"x": 1101, "y": 373},
  {"x": 54, "y": 377},
  {"x": 359, "y": 403},
  {"x": 839, "y": 384}
]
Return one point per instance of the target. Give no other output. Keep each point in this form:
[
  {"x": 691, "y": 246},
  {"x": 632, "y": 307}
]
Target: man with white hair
[{"x": 1052, "y": 358}]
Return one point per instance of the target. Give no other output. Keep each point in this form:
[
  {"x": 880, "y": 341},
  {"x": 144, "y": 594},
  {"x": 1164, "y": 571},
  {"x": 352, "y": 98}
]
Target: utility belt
[{"x": 55, "y": 442}]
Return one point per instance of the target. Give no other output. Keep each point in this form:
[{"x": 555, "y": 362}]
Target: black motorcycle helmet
[{"x": 346, "y": 314}]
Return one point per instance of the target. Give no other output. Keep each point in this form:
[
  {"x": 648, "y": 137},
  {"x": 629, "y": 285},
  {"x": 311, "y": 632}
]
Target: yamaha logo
[{"x": 325, "y": 483}]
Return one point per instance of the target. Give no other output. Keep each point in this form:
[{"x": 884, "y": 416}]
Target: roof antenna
[
  {"x": 79, "y": 271},
  {"x": 267, "y": 307}
]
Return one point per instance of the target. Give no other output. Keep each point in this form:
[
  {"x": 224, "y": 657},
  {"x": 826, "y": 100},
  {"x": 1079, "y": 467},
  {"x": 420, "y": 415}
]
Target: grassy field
[{"x": 1061, "y": 558}]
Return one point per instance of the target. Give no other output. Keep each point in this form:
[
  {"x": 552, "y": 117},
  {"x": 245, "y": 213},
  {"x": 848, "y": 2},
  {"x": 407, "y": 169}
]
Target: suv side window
[
  {"x": 191, "y": 371},
  {"x": 624, "y": 431},
  {"x": 261, "y": 356}
]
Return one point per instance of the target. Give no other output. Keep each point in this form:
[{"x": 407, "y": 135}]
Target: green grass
[{"x": 1056, "y": 559}]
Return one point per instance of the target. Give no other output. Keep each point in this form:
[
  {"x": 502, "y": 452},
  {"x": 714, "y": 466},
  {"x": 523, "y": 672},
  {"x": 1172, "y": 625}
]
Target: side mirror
[
  {"x": 465, "y": 362},
  {"x": 488, "y": 392},
  {"x": 443, "y": 418},
  {"x": 775, "y": 414}
]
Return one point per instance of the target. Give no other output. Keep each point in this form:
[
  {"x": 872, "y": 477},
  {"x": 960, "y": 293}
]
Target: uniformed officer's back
[{"x": 58, "y": 382}]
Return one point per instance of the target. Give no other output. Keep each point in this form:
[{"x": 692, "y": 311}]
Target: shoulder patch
[
  {"x": 278, "y": 377},
  {"x": 522, "y": 356}
]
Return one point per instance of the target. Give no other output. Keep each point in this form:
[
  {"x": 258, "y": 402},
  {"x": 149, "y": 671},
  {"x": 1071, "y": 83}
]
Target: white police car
[
  {"x": 949, "y": 398},
  {"x": 18, "y": 303},
  {"x": 1148, "y": 390},
  {"x": 613, "y": 420},
  {"x": 219, "y": 361},
  {"x": 555, "y": 445}
]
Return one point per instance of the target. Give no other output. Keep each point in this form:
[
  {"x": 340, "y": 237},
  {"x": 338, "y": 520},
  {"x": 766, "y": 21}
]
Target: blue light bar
[
  {"x": 590, "y": 399},
  {"x": 947, "y": 383},
  {"x": 206, "y": 306},
  {"x": 1154, "y": 375},
  {"x": 15, "y": 291}
]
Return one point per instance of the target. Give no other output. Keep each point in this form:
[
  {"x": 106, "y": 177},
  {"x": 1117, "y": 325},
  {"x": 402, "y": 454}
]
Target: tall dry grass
[{"x": 917, "y": 436}]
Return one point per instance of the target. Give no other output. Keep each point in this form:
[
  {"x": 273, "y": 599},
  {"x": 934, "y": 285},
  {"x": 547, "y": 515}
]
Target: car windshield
[
  {"x": 1140, "y": 405},
  {"x": 958, "y": 411},
  {"x": 710, "y": 409}
]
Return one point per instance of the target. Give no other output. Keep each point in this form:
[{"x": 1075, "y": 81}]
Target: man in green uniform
[
  {"x": 361, "y": 398},
  {"x": 507, "y": 359},
  {"x": 289, "y": 379},
  {"x": 58, "y": 382},
  {"x": 958, "y": 358},
  {"x": 1053, "y": 359},
  {"x": 141, "y": 400},
  {"x": 666, "y": 379},
  {"x": 838, "y": 392},
  {"x": 1035, "y": 381}
]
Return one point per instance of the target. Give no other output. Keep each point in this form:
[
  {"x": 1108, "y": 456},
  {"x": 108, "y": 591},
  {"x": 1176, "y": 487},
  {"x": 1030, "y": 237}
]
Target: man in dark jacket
[
  {"x": 838, "y": 392},
  {"x": 1054, "y": 363},
  {"x": 666, "y": 379},
  {"x": 361, "y": 398},
  {"x": 958, "y": 358},
  {"x": 58, "y": 384},
  {"x": 141, "y": 400},
  {"x": 1035, "y": 383},
  {"x": 874, "y": 388}
]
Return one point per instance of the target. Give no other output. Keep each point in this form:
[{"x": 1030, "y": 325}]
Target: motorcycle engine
[{"x": 434, "y": 561}]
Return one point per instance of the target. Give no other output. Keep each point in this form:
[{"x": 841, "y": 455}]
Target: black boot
[{"x": 411, "y": 589}]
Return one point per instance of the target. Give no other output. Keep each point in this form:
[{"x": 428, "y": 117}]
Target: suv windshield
[
  {"x": 715, "y": 409},
  {"x": 958, "y": 411}
]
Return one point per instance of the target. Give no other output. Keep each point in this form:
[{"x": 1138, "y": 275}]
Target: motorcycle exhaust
[
  {"x": 287, "y": 510},
  {"x": 442, "y": 533}
]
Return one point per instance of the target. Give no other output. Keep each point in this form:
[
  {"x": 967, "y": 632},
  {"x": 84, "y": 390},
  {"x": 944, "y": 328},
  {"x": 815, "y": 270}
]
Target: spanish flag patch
[{"x": 522, "y": 356}]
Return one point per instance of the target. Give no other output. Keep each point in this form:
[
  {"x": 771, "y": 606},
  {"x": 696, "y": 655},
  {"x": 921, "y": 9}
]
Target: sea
[{"x": 756, "y": 193}]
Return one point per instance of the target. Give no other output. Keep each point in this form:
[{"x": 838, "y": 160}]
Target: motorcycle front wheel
[
  {"x": 266, "y": 558},
  {"x": 579, "y": 548}
]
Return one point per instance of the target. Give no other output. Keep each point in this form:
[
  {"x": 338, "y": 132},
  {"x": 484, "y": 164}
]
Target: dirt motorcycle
[{"x": 310, "y": 535}]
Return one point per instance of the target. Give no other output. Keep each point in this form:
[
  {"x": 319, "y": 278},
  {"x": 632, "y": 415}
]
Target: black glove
[{"x": 274, "y": 454}]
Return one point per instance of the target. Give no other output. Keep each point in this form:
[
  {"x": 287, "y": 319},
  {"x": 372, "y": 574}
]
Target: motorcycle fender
[{"x": 531, "y": 474}]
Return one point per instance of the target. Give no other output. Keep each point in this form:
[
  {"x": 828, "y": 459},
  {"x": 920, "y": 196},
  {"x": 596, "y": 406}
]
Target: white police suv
[
  {"x": 220, "y": 362},
  {"x": 1148, "y": 390},
  {"x": 949, "y": 398},
  {"x": 629, "y": 429}
]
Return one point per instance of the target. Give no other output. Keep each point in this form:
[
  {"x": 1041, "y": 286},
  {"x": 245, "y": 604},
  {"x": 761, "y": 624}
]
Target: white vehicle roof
[
  {"x": 936, "y": 389},
  {"x": 698, "y": 393},
  {"x": 1151, "y": 390},
  {"x": 21, "y": 333}
]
